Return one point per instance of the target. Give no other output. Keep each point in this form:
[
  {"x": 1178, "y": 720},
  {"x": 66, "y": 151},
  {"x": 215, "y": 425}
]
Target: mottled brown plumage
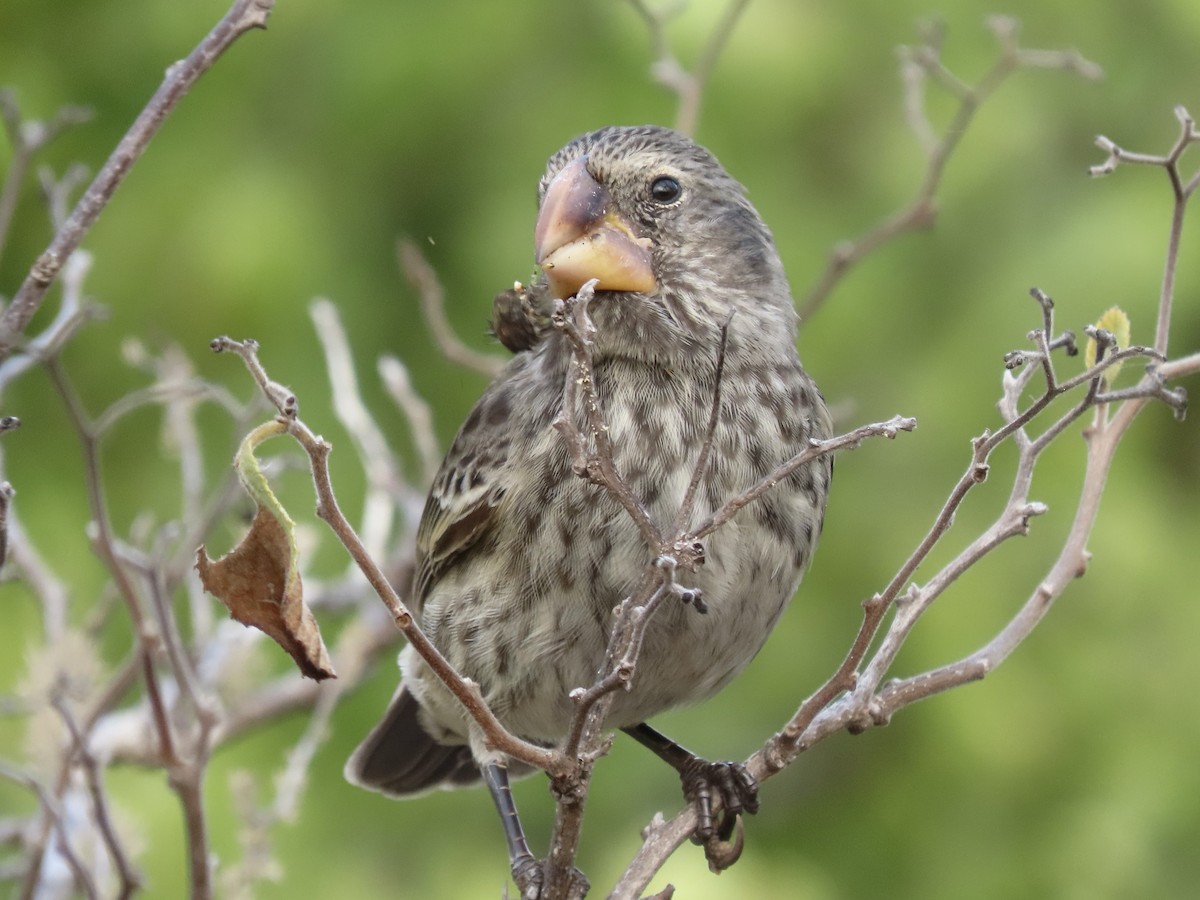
[{"x": 520, "y": 562}]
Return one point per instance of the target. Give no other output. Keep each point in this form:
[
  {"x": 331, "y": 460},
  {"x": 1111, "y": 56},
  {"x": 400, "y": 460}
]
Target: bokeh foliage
[{"x": 292, "y": 167}]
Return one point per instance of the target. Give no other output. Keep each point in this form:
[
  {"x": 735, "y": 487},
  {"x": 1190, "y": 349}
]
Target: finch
[{"x": 520, "y": 562}]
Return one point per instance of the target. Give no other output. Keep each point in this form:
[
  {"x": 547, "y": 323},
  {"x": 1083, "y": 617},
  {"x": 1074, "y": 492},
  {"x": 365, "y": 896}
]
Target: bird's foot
[
  {"x": 530, "y": 877},
  {"x": 736, "y": 792},
  {"x": 527, "y": 873}
]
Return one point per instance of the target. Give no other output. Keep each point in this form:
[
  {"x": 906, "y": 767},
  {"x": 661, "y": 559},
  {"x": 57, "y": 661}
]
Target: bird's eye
[{"x": 665, "y": 189}]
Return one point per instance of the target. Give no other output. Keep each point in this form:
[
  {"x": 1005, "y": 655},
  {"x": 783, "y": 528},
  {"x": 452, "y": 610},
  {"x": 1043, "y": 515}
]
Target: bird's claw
[
  {"x": 722, "y": 853},
  {"x": 736, "y": 792}
]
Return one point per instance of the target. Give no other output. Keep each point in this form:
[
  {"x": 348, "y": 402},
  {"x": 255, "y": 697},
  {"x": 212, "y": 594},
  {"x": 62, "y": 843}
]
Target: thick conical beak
[{"x": 579, "y": 236}]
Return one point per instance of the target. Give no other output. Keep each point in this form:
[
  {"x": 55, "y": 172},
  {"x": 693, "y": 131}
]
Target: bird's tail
[{"x": 400, "y": 758}]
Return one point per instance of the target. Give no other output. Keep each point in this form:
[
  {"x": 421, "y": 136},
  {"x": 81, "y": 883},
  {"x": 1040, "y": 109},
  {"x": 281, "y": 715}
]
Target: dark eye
[{"x": 665, "y": 189}]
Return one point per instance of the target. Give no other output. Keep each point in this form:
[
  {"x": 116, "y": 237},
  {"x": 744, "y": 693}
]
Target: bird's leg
[
  {"x": 736, "y": 787},
  {"x": 526, "y": 870}
]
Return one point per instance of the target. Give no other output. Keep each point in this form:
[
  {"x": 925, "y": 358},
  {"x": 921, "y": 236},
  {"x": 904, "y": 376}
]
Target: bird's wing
[{"x": 460, "y": 511}]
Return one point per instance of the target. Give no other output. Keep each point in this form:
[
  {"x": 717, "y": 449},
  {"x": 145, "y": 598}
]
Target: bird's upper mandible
[{"x": 580, "y": 235}]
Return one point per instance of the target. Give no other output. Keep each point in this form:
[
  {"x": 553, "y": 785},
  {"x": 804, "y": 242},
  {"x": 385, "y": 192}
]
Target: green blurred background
[{"x": 292, "y": 167}]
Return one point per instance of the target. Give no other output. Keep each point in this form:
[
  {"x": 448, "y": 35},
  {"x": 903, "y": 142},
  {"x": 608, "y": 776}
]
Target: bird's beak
[{"x": 580, "y": 236}]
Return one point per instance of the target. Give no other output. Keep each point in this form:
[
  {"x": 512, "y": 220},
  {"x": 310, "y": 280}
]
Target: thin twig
[
  {"x": 592, "y": 454},
  {"x": 433, "y": 306},
  {"x": 396, "y": 380},
  {"x": 688, "y": 87},
  {"x": 103, "y": 541},
  {"x": 384, "y": 479},
  {"x": 188, "y": 784},
  {"x": 242, "y": 16},
  {"x": 52, "y": 814},
  {"x": 203, "y": 705},
  {"x": 919, "y": 64},
  {"x": 73, "y": 313},
  {"x": 58, "y": 191},
  {"x": 597, "y": 465},
  {"x": 466, "y": 691},
  {"x": 863, "y": 703},
  {"x": 7, "y": 492},
  {"x": 131, "y": 879},
  {"x": 27, "y": 137},
  {"x": 816, "y": 449},
  {"x": 700, "y": 469},
  {"x": 40, "y": 578},
  {"x": 1181, "y": 190},
  {"x": 185, "y": 773}
]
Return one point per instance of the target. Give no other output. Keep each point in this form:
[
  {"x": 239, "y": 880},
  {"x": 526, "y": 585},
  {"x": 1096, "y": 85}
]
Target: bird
[{"x": 521, "y": 562}]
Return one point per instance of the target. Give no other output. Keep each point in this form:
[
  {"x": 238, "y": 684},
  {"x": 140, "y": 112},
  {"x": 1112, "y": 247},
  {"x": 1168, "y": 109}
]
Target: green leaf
[{"x": 1116, "y": 323}]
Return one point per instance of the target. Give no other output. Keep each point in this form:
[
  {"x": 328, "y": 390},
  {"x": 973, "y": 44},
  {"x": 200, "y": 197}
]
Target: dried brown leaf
[{"x": 259, "y": 580}]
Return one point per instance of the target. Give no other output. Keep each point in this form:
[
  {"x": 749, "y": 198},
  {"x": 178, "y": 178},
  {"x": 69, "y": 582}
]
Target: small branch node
[
  {"x": 1081, "y": 568},
  {"x": 1104, "y": 339},
  {"x": 1024, "y": 513},
  {"x": 624, "y": 675},
  {"x": 909, "y": 597},
  {"x": 873, "y": 604},
  {"x": 692, "y": 597},
  {"x": 1005, "y": 29},
  {"x": 603, "y": 748},
  {"x": 1065, "y": 341},
  {"x": 1044, "y": 300},
  {"x": 654, "y": 826},
  {"x": 689, "y": 555},
  {"x": 280, "y": 397},
  {"x": 1014, "y": 359},
  {"x": 1034, "y": 508}
]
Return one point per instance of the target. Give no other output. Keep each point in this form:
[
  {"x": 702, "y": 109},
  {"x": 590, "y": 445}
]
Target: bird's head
[{"x": 669, "y": 235}]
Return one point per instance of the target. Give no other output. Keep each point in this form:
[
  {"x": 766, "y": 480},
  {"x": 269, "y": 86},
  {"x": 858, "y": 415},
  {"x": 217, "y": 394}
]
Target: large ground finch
[{"x": 521, "y": 562}]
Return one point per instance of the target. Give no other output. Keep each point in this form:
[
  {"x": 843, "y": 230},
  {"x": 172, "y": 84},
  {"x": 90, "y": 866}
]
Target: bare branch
[
  {"x": 433, "y": 305},
  {"x": 7, "y": 423},
  {"x": 374, "y": 453},
  {"x": 184, "y": 763},
  {"x": 466, "y": 691},
  {"x": 74, "y": 312},
  {"x": 816, "y": 449},
  {"x": 688, "y": 87},
  {"x": 918, "y": 65},
  {"x": 1182, "y": 191},
  {"x": 104, "y": 542},
  {"x": 131, "y": 879},
  {"x": 420, "y": 419},
  {"x": 572, "y": 318},
  {"x": 40, "y": 577},
  {"x": 58, "y": 191},
  {"x": 54, "y": 830},
  {"x": 592, "y": 453},
  {"x": 714, "y": 416},
  {"x": 27, "y": 138},
  {"x": 856, "y": 702},
  {"x": 242, "y": 16}
]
